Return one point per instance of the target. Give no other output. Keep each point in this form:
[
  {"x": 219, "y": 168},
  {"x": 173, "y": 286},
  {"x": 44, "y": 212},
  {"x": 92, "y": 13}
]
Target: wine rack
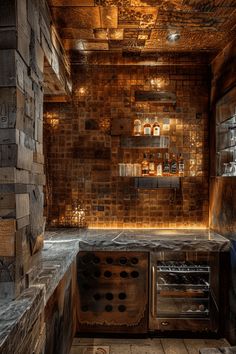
[{"x": 113, "y": 291}]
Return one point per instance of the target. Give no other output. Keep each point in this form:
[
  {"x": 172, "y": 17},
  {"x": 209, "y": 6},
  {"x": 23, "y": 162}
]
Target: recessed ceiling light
[{"x": 173, "y": 37}]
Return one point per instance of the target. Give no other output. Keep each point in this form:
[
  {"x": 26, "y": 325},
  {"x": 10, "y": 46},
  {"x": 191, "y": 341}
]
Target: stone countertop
[
  {"x": 61, "y": 247},
  {"x": 17, "y": 316},
  {"x": 143, "y": 239}
]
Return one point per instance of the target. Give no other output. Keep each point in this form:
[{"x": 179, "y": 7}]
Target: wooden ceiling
[{"x": 141, "y": 27}]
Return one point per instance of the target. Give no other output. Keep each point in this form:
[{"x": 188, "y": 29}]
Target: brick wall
[{"x": 82, "y": 152}]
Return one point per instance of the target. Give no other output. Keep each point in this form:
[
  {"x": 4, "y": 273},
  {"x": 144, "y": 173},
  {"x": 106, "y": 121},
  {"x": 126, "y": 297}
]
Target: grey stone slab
[{"x": 146, "y": 239}]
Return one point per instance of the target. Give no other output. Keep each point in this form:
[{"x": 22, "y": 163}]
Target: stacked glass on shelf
[
  {"x": 154, "y": 165},
  {"x": 230, "y": 167}
]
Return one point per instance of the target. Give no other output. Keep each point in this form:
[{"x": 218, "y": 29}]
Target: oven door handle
[{"x": 153, "y": 291}]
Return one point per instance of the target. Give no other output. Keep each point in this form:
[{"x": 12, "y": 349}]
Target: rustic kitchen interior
[{"x": 117, "y": 176}]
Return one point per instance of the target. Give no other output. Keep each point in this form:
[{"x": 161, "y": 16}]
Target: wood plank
[
  {"x": 7, "y": 201},
  {"x": 40, "y": 344},
  {"x": 193, "y": 345},
  {"x": 174, "y": 346},
  {"x": 8, "y": 13},
  {"x": 9, "y": 155},
  {"x": 24, "y": 158},
  {"x": 146, "y": 349},
  {"x": 22, "y": 205},
  {"x": 9, "y": 136},
  {"x": 39, "y": 158},
  {"x": 8, "y": 68},
  {"x": 7, "y": 239},
  {"x": 13, "y": 175},
  {"x": 22, "y": 222},
  {"x": 8, "y": 38}
]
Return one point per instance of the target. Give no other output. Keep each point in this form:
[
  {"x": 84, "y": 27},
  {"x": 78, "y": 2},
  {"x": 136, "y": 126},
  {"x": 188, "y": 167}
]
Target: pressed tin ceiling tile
[
  {"x": 117, "y": 3},
  {"x": 202, "y": 24},
  {"x": 74, "y": 44},
  {"x": 95, "y": 45},
  {"x": 116, "y": 33},
  {"x": 71, "y": 2},
  {"x": 137, "y": 17},
  {"x": 76, "y": 33},
  {"x": 77, "y": 17},
  {"x": 100, "y": 33},
  {"x": 109, "y": 17}
]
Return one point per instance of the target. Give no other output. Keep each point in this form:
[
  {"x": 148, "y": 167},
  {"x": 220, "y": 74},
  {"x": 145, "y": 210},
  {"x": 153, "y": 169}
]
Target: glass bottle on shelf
[
  {"x": 181, "y": 165},
  {"x": 156, "y": 129},
  {"x": 166, "y": 165},
  {"x": 137, "y": 127},
  {"x": 151, "y": 165},
  {"x": 147, "y": 128},
  {"x": 173, "y": 165},
  {"x": 145, "y": 165},
  {"x": 159, "y": 163}
]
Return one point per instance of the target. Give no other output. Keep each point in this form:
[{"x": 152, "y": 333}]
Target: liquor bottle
[
  {"x": 166, "y": 165},
  {"x": 151, "y": 165},
  {"x": 147, "y": 129},
  {"x": 156, "y": 129},
  {"x": 137, "y": 127},
  {"x": 173, "y": 165},
  {"x": 159, "y": 164},
  {"x": 145, "y": 165},
  {"x": 181, "y": 165}
]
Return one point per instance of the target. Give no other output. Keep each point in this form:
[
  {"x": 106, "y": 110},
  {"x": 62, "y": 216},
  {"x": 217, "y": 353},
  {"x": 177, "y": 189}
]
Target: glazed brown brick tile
[{"x": 90, "y": 156}]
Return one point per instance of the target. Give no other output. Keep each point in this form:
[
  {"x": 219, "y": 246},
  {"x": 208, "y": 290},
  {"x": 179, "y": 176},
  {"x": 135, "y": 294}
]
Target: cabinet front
[
  {"x": 184, "y": 295},
  {"x": 113, "y": 292}
]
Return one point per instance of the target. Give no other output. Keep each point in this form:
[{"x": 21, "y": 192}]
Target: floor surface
[{"x": 143, "y": 346}]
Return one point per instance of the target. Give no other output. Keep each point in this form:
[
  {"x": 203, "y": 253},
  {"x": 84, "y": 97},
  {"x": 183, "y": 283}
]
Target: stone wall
[
  {"x": 82, "y": 146},
  {"x": 27, "y": 39}
]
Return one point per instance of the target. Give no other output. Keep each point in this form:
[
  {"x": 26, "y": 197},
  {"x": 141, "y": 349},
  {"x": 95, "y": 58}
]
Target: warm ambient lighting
[
  {"x": 173, "y": 37},
  {"x": 159, "y": 82},
  {"x": 148, "y": 228},
  {"x": 52, "y": 119}
]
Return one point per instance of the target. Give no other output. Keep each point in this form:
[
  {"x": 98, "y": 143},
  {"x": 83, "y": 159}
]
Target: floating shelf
[
  {"x": 161, "y": 97},
  {"x": 135, "y": 142},
  {"x": 157, "y": 182}
]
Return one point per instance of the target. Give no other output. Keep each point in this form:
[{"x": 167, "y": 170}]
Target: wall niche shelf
[
  {"x": 226, "y": 135},
  {"x": 135, "y": 142}
]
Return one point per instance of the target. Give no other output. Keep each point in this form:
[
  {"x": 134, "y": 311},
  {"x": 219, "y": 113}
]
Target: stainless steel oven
[{"x": 184, "y": 291}]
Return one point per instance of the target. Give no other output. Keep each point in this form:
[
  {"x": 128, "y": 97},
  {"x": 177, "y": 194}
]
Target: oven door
[{"x": 181, "y": 296}]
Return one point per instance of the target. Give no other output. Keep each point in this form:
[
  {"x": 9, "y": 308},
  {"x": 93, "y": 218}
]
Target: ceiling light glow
[{"x": 173, "y": 37}]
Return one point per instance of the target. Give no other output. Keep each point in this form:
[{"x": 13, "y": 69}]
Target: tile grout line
[{"x": 164, "y": 352}]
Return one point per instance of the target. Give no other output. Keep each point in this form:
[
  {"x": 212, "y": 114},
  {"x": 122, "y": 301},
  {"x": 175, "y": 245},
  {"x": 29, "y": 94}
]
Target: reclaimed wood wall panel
[
  {"x": 60, "y": 314},
  {"x": 222, "y": 211},
  {"x": 29, "y": 26}
]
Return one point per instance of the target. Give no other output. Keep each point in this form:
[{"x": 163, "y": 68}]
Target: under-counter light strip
[{"x": 147, "y": 228}]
